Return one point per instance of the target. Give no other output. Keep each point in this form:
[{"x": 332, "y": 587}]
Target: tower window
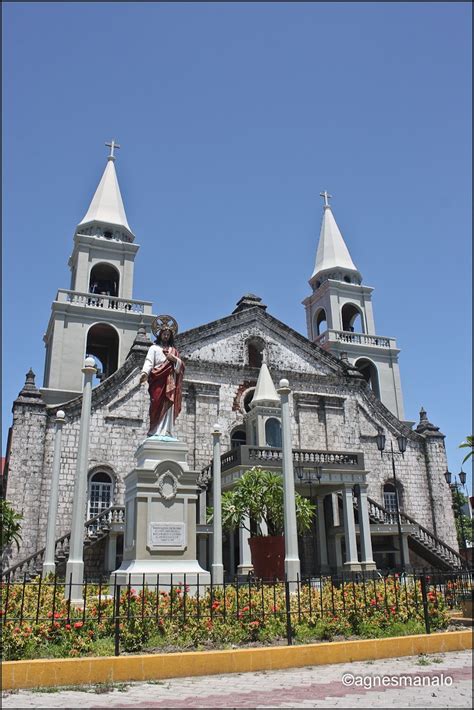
[
  {"x": 347, "y": 279},
  {"x": 371, "y": 375},
  {"x": 255, "y": 348},
  {"x": 104, "y": 279},
  {"x": 351, "y": 318},
  {"x": 103, "y": 346},
  {"x": 320, "y": 322},
  {"x": 108, "y": 235}
]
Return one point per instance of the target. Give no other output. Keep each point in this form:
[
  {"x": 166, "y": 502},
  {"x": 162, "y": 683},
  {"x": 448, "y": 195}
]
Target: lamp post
[
  {"x": 456, "y": 489},
  {"x": 402, "y": 446}
]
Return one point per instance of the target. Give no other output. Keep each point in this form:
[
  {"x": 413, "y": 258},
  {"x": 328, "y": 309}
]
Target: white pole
[
  {"x": 217, "y": 568},
  {"x": 75, "y": 563},
  {"x": 292, "y": 560},
  {"x": 49, "y": 565}
]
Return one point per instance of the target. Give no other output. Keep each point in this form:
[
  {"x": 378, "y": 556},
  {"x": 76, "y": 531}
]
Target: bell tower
[
  {"x": 97, "y": 315},
  {"x": 340, "y": 318}
]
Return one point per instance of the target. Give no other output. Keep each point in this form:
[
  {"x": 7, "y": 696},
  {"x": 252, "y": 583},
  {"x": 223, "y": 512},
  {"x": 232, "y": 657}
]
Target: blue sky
[{"x": 232, "y": 118}]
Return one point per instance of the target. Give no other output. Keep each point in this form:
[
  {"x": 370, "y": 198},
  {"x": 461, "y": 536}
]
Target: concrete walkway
[{"x": 441, "y": 681}]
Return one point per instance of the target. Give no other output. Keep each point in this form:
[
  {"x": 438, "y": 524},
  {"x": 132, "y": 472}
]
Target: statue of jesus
[{"x": 164, "y": 371}]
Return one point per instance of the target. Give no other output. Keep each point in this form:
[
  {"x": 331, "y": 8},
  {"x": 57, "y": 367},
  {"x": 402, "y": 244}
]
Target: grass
[{"x": 98, "y": 688}]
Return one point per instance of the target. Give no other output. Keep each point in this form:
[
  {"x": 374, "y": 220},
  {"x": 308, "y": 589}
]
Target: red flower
[
  {"x": 373, "y": 602},
  {"x": 57, "y": 616},
  {"x": 68, "y": 627},
  {"x": 215, "y": 605},
  {"x": 78, "y": 625},
  {"x": 274, "y": 608},
  {"x": 245, "y": 608}
]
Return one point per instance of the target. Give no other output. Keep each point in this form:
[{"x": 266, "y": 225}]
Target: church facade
[{"x": 345, "y": 392}]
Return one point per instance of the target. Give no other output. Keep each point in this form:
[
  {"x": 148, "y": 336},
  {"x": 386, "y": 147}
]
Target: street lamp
[{"x": 402, "y": 447}]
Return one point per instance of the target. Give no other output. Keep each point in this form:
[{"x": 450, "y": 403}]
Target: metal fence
[{"x": 151, "y": 604}]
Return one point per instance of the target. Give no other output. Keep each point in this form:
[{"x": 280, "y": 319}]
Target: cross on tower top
[
  {"x": 112, "y": 145},
  {"x": 326, "y": 196}
]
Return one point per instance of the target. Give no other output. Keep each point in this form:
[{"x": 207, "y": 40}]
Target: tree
[
  {"x": 468, "y": 444},
  {"x": 463, "y": 522},
  {"x": 10, "y": 525}
]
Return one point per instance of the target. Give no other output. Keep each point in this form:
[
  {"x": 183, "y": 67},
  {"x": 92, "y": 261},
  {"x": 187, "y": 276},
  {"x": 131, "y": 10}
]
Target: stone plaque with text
[{"x": 167, "y": 536}]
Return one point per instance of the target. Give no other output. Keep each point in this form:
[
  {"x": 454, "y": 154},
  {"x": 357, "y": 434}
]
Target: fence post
[
  {"x": 424, "y": 596},
  {"x": 117, "y": 620},
  {"x": 289, "y": 630}
]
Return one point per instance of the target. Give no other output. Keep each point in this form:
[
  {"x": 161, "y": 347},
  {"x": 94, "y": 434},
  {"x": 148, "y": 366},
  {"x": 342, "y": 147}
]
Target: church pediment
[{"x": 226, "y": 341}]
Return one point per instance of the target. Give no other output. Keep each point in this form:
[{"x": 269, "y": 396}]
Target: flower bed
[{"x": 39, "y": 622}]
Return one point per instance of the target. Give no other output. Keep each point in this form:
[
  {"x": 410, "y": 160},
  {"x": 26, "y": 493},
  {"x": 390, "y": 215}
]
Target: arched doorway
[
  {"x": 103, "y": 346},
  {"x": 238, "y": 438}
]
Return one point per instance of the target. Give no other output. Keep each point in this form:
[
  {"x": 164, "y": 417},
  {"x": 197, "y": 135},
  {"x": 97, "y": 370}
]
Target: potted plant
[{"x": 256, "y": 503}]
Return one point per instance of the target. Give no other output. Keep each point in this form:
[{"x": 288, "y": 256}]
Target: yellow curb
[{"x": 84, "y": 671}]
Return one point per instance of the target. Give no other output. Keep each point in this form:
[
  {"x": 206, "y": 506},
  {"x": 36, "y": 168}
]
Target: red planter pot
[{"x": 268, "y": 556}]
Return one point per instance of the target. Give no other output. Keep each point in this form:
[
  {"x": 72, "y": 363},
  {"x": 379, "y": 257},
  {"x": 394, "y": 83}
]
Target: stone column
[
  {"x": 49, "y": 565},
  {"x": 352, "y": 563},
  {"x": 292, "y": 560},
  {"x": 217, "y": 569},
  {"x": 245, "y": 565},
  {"x": 75, "y": 563},
  {"x": 322, "y": 542},
  {"x": 367, "y": 560}
]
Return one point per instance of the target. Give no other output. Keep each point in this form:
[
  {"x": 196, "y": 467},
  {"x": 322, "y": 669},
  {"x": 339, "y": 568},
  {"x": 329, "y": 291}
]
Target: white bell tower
[
  {"x": 340, "y": 319},
  {"x": 97, "y": 316}
]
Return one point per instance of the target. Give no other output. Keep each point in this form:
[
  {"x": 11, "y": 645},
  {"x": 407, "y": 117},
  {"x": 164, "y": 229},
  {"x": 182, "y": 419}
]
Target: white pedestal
[{"x": 160, "y": 521}]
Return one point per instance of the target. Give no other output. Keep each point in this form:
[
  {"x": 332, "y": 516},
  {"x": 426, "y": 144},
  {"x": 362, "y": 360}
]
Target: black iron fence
[{"x": 187, "y": 613}]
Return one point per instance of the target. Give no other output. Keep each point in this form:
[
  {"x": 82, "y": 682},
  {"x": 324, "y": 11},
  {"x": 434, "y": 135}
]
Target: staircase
[
  {"x": 95, "y": 529},
  {"x": 436, "y": 552}
]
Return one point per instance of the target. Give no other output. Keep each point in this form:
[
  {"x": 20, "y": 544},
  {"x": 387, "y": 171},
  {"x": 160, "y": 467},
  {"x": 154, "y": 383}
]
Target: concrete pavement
[{"x": 441, "y": 680}]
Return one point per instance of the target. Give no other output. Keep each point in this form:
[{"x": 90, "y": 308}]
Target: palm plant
[
  {"x": 258, "y": 498},
  {"x": 468, "y": 444}
]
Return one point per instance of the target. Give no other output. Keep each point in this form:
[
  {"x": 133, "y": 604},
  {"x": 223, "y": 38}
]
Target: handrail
[
  {"x": 113, "y": 514},
  {"x": 425, "y": 533}
]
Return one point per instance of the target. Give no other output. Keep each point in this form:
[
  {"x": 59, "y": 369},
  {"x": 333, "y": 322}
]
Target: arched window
[
  {"x": 104, "y": 279},
  {"x": 103, "y": 346},
  {"x": 390, "y": 497},
  {"x": 101, "y": 490},
  {"x": 273, "y": 433},
  {"x": 255, "y": 348},
  {"x": 369, "y": 371},
  {"x": 352, "y": 319},
  {"x": 238, "y": 438},
  {"x": 320, "y": 322}
]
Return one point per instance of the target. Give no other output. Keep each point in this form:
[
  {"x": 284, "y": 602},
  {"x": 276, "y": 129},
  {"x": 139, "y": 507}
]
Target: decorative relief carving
[{"x": 167, "y": 485}]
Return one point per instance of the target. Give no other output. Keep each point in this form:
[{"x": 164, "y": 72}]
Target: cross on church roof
[
  {"x": 112, "y": 145},
  {"x": 326, "y": 195}
]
